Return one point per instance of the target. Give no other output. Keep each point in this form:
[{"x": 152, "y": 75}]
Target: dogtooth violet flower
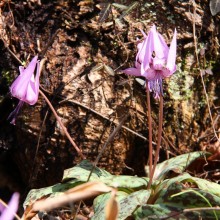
[
  {"x": 8, "y": 213},
  {"x": 154, "y": 60},
  {"x": 26, "y": 86}
]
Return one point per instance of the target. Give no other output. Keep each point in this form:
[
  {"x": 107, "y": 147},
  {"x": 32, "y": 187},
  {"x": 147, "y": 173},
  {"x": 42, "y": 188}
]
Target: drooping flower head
[
  {"x": 155, "y": 60},
  {"x": 8, "y": 213},
  {"x": 26, "y": 86}
]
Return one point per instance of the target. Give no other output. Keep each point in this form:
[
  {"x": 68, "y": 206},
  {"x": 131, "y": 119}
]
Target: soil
[{"x": 84, "y": 51}]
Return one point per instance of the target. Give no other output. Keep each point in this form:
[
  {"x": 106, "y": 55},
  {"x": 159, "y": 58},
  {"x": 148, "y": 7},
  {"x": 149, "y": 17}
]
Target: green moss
[
  {"x": 180, "y": 85},
  {"x": 7, "y": 76}
]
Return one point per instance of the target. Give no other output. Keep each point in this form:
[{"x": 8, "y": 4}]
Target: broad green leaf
[
  {"x": 188, "y": 198},
  {"x": 129, "y": 182},
  {"x": 100, "y": 202},
  {"x": 202, "y": 184},
  {"x": 157, "y": 211},
  {"x": 82, "y": 172},
  {"x": 173, "y": 196},
  {"x": 50, "y": 191},
  {"x": 208, "y": 186},
  {"x": 128, "y": 203},
  {"x": 177, "y": 164}
]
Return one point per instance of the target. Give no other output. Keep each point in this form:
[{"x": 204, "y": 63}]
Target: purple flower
[
  {"x": 155, "y": 60},
  {"x": 26, "y": 86},
  {"x": 8, "y": 213}
]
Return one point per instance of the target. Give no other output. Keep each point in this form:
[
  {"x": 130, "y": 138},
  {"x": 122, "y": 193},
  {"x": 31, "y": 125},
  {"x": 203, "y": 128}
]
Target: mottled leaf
[
  {"x": 128, "y": 203},
  {"x": 157, "y": 211},
  {"x": 82, "y": 172},
  {"x": 174, "y": 196},
  {"x": 188, "y": 199},
  {"x": 83, "y": 191},
  {"x": 50, "y": 191},
  {"x": 127, "y": 182},
  {"x": 176, "y": 164},
  {"x": 208, "y": 186}
]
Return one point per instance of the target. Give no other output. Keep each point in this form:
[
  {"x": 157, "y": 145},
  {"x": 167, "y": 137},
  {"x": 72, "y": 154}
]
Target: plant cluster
[{"x": 169, "y": 192}]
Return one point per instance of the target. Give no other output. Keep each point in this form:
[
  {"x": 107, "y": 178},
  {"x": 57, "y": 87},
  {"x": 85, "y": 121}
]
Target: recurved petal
[
  {"x": 31, "y": 66},
  {"x": 132, "y": 71},
  {"x": 19, "y": 86},
  {"x": 33, "y": 88},
  {"x": 150, "y": 74},
  {"x": 167, "y": 73},
  {"x": 171, "y": 59},
  {"x": 164, "y": 45},
  {"x": 31, "y": 95}
]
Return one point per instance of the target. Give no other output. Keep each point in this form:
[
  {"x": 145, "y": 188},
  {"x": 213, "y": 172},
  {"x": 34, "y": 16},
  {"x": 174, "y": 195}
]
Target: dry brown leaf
[
  {"x": 111, "y": 209},
  {"x": 81, "y": 192}
]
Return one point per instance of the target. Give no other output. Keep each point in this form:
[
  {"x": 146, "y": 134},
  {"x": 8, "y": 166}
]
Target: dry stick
[
  {"x": 150, "y": 150},
  {"x": 109, "y": 140},
  {"x": 159, "y": 137},
  {"x": 62, "y": 125},
  {"x": 106, "y": 118},
  {"x": 198, "y": 63},
  {"x": 202, "y": 209}
]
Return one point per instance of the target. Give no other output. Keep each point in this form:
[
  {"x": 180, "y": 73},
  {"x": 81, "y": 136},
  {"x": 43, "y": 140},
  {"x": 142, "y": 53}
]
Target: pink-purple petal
[
  {"x": 164, "y": 45},
  {"x": 147, "y": 52},
  {"x": 154, "y": 60},
  {"x": 25, "y": 83},
  {"x": 158, "y": 47},
  {"x": 10, "y": 211}
]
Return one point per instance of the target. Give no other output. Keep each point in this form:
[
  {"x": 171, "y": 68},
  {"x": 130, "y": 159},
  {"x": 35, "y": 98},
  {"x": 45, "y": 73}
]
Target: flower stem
[
  {"x": 159, "y": 137},
  {"x": 150, "y": 148},
  {"x": 62, "y": 125}
]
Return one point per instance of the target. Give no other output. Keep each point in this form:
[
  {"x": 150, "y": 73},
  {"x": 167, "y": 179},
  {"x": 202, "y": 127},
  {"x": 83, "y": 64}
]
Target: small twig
[
  {"x": 13, "y": 54},
  {"x": 97, "y": 113},
  {"x": 202, "y": 209},
  {"x": 109, "y": 140},
  {"x": 62, "y": 125},
  {"x": 159, "y": 137}
]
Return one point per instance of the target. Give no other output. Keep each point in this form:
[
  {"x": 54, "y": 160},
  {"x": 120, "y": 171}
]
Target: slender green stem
[
  {"x": 159, "y": 137},
  {"x": 62, "y": 125},
  {"x": 150, "y": 148}
]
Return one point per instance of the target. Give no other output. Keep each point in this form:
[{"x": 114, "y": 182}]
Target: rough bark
[{"x": 90, "y": 98}]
